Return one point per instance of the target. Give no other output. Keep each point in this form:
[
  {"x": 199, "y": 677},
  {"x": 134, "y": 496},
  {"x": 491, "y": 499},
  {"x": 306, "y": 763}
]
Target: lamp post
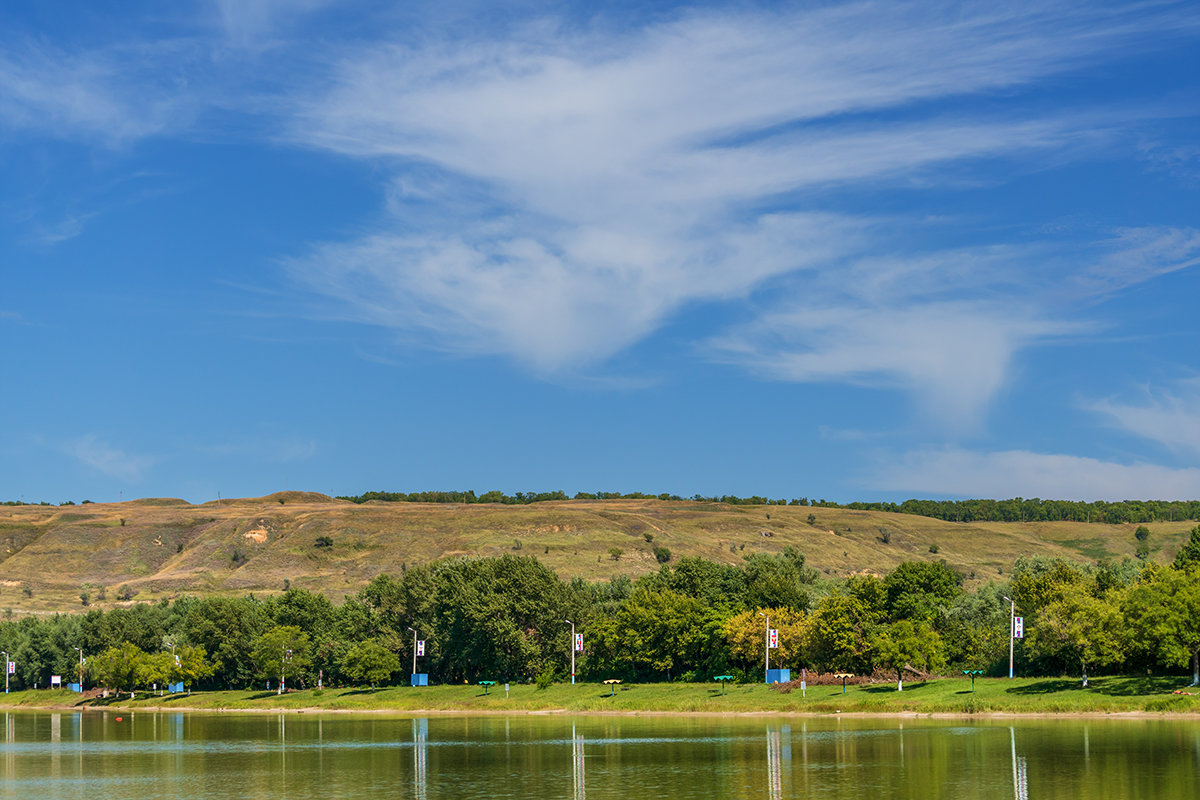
[
  {"x": 5, "y": 671},
  {"x": 767, "y": 647},
  {"x": 414, "y": 630},
  {"x": 572, "y": 624},
  {"x": 285, "y": 656},
  {"x": 1012, "y": 632},
  {"x": 80, "y": 650}
]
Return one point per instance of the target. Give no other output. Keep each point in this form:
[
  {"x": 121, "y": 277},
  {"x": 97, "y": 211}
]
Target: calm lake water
[{"x": 46, "y": 756}]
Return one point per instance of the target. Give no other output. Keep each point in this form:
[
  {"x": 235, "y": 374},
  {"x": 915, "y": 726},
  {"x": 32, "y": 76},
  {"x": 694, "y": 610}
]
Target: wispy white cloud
[
  {"x": 1171, "y": 418},
  {"x": 1020, "y": 473},
  {"x": 248, "y": 22},
  {"x": 1140, "y": 254},
  {"x": 945, "y": 326},
  {"x": 573, "y": 189},
  {"x": 114, "y": 96},
  {"x": 108, "y": 460},
  {"x": 953, "y": 356}
]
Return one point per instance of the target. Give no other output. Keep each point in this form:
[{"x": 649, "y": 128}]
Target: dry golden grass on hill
[{"x": 161, "y": 547}]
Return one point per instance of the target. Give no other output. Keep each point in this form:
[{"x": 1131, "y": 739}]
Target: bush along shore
[{"x": 513, "y": 620}]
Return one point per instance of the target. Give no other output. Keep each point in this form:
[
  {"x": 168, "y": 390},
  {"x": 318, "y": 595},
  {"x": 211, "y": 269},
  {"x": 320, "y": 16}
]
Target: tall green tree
[
  {"x": 1189, "y": 556},
  {"x": 1164, "y": 613},
  {"x": 919, "y": 590},
  {"x": 369, "y": 662},
  {"x": 283, "y": 653},
  {"x": 117, "y": 667},
  {"x": 843, "y": 628},
  {"x": 905, "y": 643},
  {"x": 1080, "y": 628}
]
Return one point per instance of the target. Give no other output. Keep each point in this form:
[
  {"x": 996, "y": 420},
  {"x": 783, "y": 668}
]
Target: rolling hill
[{"x": 156, "y": 548}]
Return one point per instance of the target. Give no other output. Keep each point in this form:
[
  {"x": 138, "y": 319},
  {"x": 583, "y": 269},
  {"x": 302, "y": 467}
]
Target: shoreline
[
  {"x": 566, "y": 712},
  {"x": 946, "y": 698}
]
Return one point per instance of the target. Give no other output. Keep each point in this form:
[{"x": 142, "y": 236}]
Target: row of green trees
[
  {"x": 509, "y": 618},
  {"x": 1017, "y": 509}
]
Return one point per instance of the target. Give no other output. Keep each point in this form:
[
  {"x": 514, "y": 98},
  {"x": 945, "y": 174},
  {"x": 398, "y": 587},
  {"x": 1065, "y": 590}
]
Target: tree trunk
[
  {"x": 1196, "y": 668},
  {"x": 1082, "y": 664}
]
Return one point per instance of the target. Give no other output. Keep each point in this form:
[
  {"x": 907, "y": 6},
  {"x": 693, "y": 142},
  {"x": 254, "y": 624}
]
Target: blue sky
[{"x": 867, "y": 250}]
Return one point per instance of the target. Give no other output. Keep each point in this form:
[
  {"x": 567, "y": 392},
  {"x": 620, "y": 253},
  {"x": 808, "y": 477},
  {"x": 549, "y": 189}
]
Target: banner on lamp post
[
  {"x": 579, "y": 643},
  {"x": 420, "y": 647},
  {"x": 1018, "y": 627},
  {"x": 773, "y": 639}
]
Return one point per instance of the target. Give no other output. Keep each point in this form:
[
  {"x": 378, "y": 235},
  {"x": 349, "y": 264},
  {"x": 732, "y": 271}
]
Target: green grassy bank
[{"x": 945, "y": 696}]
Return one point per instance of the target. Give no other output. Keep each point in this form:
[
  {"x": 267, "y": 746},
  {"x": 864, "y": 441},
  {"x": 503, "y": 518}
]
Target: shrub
[
  {"x": 323, "y": 541},
  {"x": 616, "y": 553},
  {"x": 649, "y": 537},
  {"x": 662, "y": 554},
  {"x": 1142, "y": 533},
  {"x": 545, "y": 678},
  {"x": 125, "y": 593},
  {"x": 933, "y": 548}
]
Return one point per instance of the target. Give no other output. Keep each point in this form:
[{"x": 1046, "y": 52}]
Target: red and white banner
[
  {"x": 420, "y": 647},
  {"x": 579, "y": 643},
  {"x": 773, "y": 639},
  {"x": 1018, "y": 627}
]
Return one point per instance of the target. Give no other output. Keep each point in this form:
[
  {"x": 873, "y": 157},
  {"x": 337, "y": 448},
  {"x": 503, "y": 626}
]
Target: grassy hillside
[{"x": 161, "y": 547}]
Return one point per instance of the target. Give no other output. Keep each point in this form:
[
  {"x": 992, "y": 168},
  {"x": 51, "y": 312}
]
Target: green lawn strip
[{"x": 948, "y": 695}]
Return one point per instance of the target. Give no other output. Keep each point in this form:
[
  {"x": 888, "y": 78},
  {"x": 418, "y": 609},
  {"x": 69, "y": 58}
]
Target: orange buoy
[{"x": 120, "y": 718}]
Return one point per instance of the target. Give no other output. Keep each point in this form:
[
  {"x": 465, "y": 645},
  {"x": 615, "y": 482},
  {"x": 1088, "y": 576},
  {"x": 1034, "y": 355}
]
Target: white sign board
[{"x": 56, "y": 680}]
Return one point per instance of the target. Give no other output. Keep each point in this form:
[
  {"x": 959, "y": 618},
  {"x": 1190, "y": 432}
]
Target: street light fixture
[
  {"x": 414, "y": 631},
  {"x": 572, "y": 624},
  {"x": 1012, "y": 632},
  {"x": 767, "y": 647}
]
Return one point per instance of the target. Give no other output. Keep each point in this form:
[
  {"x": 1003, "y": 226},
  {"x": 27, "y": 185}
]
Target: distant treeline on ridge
[{"x": 1018, "y": 509}]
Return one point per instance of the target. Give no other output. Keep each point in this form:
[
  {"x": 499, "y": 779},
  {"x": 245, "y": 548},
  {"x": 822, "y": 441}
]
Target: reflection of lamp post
[
  {"x": 767, "y": 647},
  {"x": 1012, "y": 632},
  {"x": 80, "y": 649},
  {"x": 572, "y": 624}
]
